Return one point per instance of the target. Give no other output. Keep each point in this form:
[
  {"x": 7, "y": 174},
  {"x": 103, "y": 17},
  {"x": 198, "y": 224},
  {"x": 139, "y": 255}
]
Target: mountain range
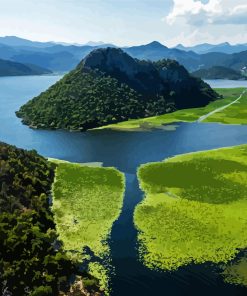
[
  {"x": 62, "y": 58},
  {"x": 207, "y": 48}
]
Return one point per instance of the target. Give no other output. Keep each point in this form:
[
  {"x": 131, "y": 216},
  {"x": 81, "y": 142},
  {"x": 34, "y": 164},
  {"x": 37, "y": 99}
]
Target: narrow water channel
[{"x": 132, "y": 278}]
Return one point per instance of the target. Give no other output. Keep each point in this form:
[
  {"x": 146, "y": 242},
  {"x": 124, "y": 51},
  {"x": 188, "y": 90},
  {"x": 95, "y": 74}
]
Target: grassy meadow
[
  {"x": 234, "y": 114},
  {"x": 185, "y": 115},
  {"x": 194, "y": 210},
  {"x": 86, "y": 202}
]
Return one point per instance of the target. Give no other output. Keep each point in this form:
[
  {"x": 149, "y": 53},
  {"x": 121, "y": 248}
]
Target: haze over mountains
[
  {"x": 9, "y": 68},
  {"x": 62, "y": 57},
  {"x": 206, "y": 48}
]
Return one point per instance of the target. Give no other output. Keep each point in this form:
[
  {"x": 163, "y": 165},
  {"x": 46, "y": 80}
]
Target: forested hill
[
  {"x": 32, "y": 261},
  {"x": 219, "y": 72},
  {"x": 9, "y": 68},
  {"x": 109, "y": 86}
]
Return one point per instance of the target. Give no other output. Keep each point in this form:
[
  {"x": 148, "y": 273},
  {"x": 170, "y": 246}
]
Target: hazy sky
[{"x": 126, "y": 22}]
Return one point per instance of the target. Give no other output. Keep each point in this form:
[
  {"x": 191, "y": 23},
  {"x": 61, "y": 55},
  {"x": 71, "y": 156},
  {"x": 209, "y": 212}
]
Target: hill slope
[
  {"x": 219, "y": 72},
  {"x": 26, "y": 226},
  {"x": 9, "y": 68},
  {"x": 110, "y": 86},
  {"x": 32, "y": 258}
]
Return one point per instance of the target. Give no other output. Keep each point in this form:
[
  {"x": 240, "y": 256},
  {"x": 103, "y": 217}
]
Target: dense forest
[
  {"x": 32, "y": 260},
  {"x": 219, "y": 72},
  {"x": 109, "y": 86}
]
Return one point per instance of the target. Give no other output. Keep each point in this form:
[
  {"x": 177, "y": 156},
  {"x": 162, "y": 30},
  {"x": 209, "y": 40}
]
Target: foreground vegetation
[
  {"x": 87, "y": 200},
  {"x": 185, "y": 115},
  {"x": 109, "y": 86},
  {"x": 32, "y": 260},
  {"x": 194, "y": 209}
]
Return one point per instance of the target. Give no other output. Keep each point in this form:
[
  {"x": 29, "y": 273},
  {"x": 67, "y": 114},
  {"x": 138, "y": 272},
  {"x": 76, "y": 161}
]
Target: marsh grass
[
  {"x": 185, "y": 115},
  {"x": 194, "y": 210},
  {"x": 234, "y": 114},
  {"x": 86, "y": 202}
]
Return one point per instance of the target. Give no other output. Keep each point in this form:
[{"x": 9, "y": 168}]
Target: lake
[
  {"x": 223, "y": 83},
  {"x": 126, "y": 151}
]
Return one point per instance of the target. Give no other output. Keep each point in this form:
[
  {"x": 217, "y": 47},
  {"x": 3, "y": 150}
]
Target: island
[{"x": 109, "y": 86}]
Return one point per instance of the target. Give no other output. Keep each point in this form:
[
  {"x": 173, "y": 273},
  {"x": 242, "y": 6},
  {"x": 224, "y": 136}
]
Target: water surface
[
  {"x": 126, "y": 151},
  {"x": 225, "y": 83}
]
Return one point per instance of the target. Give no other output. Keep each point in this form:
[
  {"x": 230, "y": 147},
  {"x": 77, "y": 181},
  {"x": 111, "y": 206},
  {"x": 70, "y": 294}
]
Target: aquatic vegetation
[
  {"x": 194, "y": 210},
  {"x": 184, "y": 115},
  {"x": 87, "y": 200},
  {"x": 236, "y": 273}
]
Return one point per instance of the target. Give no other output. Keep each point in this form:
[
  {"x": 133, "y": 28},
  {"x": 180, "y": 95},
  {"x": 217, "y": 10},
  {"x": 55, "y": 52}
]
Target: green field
[
  {"x": 86, "y": 202},
  {"x": 234, "y": 114},
  {"x": 194, "y": 210},
  {"x": 186, "y": 115}
]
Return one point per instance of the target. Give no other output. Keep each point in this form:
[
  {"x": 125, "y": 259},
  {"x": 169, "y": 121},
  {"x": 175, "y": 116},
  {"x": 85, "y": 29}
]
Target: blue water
[
  {"x": 126, "y": 151},
  {"x": 223, "y": 83}
]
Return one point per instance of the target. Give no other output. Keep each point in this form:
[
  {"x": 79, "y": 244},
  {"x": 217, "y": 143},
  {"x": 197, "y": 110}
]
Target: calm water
[
  {"x": 223, "y": 83},
  {"x": 126, "y": 151}
]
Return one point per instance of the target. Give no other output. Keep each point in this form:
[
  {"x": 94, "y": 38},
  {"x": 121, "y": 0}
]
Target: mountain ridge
[
  {"x": 60, "y": 58},
  {"x": 219, "y": 72},
  {"x": 9, "y": 68}
]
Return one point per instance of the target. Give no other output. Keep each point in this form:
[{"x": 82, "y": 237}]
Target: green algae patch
[
  {"x": 89, "y": 164},
  {"x": 236, "y": 273},
  {"x": 194, "y": 210},
  {"x": 86, "y": 202},
  {"x": 185, "y": 115}
]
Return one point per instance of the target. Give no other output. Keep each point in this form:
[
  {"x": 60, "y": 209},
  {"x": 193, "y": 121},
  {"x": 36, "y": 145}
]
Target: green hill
[
  {"x": 219, "y": 72},
  {"x": 9, "y": 68},
  {"x": 109, "y": 86}
]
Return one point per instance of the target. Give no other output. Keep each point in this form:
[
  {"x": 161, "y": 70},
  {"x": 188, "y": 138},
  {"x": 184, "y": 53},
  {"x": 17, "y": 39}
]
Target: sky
[{"x": 126, "y": 22}]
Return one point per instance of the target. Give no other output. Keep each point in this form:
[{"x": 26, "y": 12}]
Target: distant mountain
[
  {"x": 110, "y": 86},
  {"x": 20, "y": 42},
  {"x": 155, "y": 51},
  {"x": 94, "y": 43},
  {"x": 9, "y": 68},
  {"x": 207, "y": 48},
  {"x": 236, "y": 61},
  {"x": 218, "y": 72},
  {"x": 56, "y": 61},
  {"x": 62, "y": 58}
]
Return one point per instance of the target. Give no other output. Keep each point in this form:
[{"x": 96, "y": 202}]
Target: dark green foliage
[
  {"x": 219, "y": 72},
  {"x": 31, "y": 262},
  {"x": 109, "y": 86},
  {"x": 82, "y": 101}
]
